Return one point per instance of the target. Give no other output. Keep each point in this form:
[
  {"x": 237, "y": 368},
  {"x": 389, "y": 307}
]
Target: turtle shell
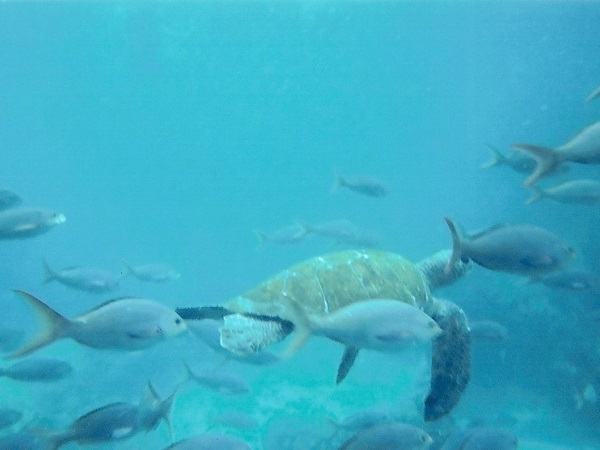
[{"x": 326, "y": 283}]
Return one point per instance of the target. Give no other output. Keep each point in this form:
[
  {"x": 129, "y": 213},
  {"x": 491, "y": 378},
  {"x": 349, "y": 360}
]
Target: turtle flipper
[
  {"x": 348, "y": 358},
  {"x": 203, "y": 312},
  {"x": 451, "y": 360}
]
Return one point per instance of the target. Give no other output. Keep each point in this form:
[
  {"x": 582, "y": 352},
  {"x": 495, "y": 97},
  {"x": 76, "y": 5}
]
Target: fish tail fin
[
  {"x": 536, "y": 196},
  {"x": 497, "y": 158},
  {"x": 263, "y": 239},
  {"x": 153, "y": 409},
  {"x": 49, "y": 273},
  {"x": 547, "y": 159},
  {"x": 53, "y": 326},
  {"x": 302, "y": 329},
  {"x": 457, "y": 245},
  {"x": 339, "y": 182}
]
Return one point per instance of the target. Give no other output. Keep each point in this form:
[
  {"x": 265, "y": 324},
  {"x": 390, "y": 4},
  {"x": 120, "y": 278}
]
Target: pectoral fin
[{"x": 350, "y": 354}]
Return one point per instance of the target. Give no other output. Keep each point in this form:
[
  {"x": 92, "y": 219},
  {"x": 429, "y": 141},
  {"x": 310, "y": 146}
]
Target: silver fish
[
  {"x": 84, "y": 278},
  {"x": 126, "y": 324},
  {"x": 516, "y": 161},
  {"x": 336, "y": 229},
  {"x": 365, "y": 185},
  {"x": 118, "y": 421},
  {"x": 397, "y": 436},
  {"x": 8, "y": 199},
  {"x": 288, "y": 235},
  {"x": 22, "y": 223},
  {"x": 8, "y": 417},
  {"x": 38, "y": 369},
  {"x": 526, "y": 250},
  {"x": 571, "y": 280},
  {"x": 487, "y": 330},
  {"x": 155, "y": 272},
  {"x": 221, "y": 382},
  {"x": 577, "y": 191},
  {"x": 377, "y": 324},
  {"x": 210, "y": 441},
  {"x": 583, "y": 148}
]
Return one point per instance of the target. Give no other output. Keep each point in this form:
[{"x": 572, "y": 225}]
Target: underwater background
[{"x": 171, "y": 131}]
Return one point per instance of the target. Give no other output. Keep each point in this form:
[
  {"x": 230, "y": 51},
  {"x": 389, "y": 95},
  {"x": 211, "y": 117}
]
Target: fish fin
[
  {"x": 457, "y": 245},
  {"x": 49, "y": 274},
  {"x": 302, "y": 328},
  {"x": 340, "y": 181},
  {"x": 537, "y": 195},
  {"x": 263, "y": 239},
  {"x": 53, "y": 326},
  {"x": 128, "y": 269},
  {"x": 547, "y": 159},
  {"x": 595, "y": 93},
  {"x": 348, "y": 358},
  {"x": 497, "y": 158},
  {"x": 305, "y": 228}
]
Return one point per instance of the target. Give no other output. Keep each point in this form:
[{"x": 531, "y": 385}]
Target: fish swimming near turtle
[
  {"x": 364, "y": 185},
  {"x": 83, "y": 278},
  {"x": 323, "y": 285},
  {"x": 24, "y": 223}
]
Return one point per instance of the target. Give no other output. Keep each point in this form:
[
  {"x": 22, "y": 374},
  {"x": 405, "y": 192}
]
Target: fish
[
  {"x": 291, "y": 234},
  {"x": 9, "y": 199},
  {"x": 396, "y": 436},
  {"x": 221, "y": 382},
  {"x": 377, "y": 324},
  {"x": 481, "y": 438},
  {"x": 124, "y": 324},
  {"x": 516, "y": 161},
  {"x": 23, "y": 223},
  {"x": 595, "y": 94},
  {"x": 571, "y": 280},
  {"x": 155, "y": 272},
  {"x": 84, "y": 278},
  {"x": 526, "y": 250},
  {"x": 236, "y": 419},
  {"x": 487, "y": 330},
  {"x": 583, "y": 148},
  {"x": 343, "y": 232},
  {"x": 118, "y": 421},
  {"x": 8, "y": 417},
  {"x": 207, "y": 330},
  {"x": 210, "y": 441},
  {"x": 365, "y": 185},
  {"x": 365, "y": 418},
  {"x": 577, "y": 191},
  {"x": 38, "y": 369}
]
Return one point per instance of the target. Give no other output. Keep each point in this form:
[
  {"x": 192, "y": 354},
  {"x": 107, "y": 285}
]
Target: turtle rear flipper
[{"x": 451, "y": 360}]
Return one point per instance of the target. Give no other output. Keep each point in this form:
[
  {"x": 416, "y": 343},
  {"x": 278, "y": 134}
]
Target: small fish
[
  {"x": 223, "y": 383},
  {"x": 481, "y": 438},
  {"x": 516, "y": 161},
  {"x": 570, "y": 280},
  {"x": 577, "y": 191},
  {"x": 369, "y": 186},
  {"x": 38, "y": 369},
  {"x": 236, "y": 419},
  {"x": 8, "y": 199},
  {"x": 126, "y": 324},
  {"x": 336, "y": 229},
  {"x": 288, "y": 235},
  {"x": 84, "y": 278},
  {"x": 595, "y": 94},
  {"x": 118, "y": 421},
  {"x": 8, "y": 417},
  {"x": 22, "y": 223},
  {"x": 397, "y": 436},
  {"x": 365, "y": 418},
  {"x": 155, "y": 272},
  {"x": 210, "y": 441},
  {"x": 487, "y": 330},
  {"x": 583, "y": 148},
  {"x": 526, "y": 250}
]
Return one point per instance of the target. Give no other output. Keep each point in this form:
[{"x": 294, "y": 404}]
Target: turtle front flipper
[
  {"x": 451, "y": 360},
  {"x": 202, "y": 312}
]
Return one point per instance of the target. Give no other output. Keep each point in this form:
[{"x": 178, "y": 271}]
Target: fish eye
[{"x": 177, "y": 321}]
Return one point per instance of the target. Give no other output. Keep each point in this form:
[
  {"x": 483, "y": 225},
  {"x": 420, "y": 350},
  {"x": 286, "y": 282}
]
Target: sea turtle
[{"x": 269, "y": 312}]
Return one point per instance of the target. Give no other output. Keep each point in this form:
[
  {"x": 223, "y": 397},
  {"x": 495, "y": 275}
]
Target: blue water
[{"x": 169, "y": 131}]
